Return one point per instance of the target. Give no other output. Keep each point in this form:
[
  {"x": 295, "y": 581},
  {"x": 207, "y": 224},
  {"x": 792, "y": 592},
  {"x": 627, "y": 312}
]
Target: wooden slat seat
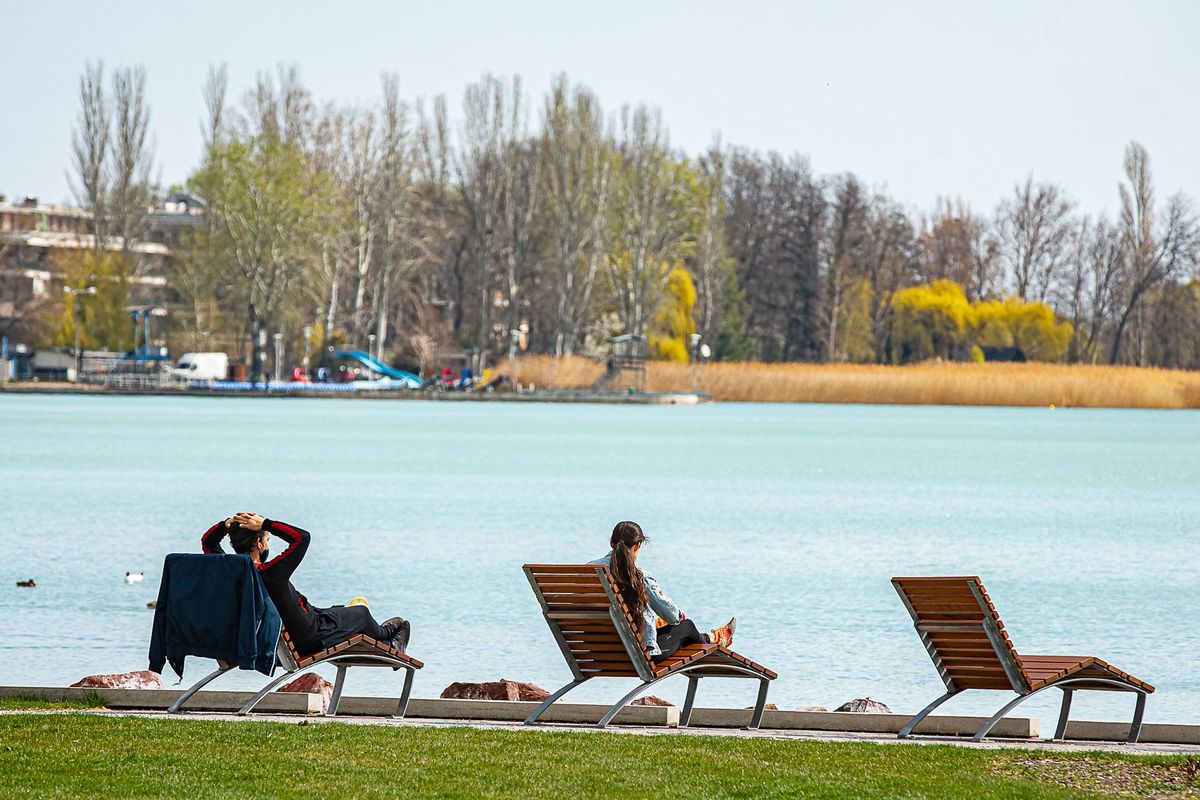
[
  {"x": 599, "y": 638},
  {"x": 971, "y": 649},
  {"x": 359, "y": 650}
]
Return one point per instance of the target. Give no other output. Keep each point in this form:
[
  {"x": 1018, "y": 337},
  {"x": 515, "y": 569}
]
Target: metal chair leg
[
  {"x": 685, "y": 715},
  {"x": 1135, "y": 727},
  {"x": 759, "y": 705},
  {"x": 549, "y": 701},
  {"x": 999, "y": 715},
  {"x": 244, "y": 710},
  {"x": 612, "y": 712},
  {"x": 907, "y": 730},
  {"x": 402, "y": 706},
  {"x": 1060, "y": 732},
  {"x": 197, "y": 686},
  {"x": 338, "y": 683}
]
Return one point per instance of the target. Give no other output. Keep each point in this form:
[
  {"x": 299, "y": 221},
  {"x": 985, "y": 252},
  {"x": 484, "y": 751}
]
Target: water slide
[{"x": 375, "y": 365}]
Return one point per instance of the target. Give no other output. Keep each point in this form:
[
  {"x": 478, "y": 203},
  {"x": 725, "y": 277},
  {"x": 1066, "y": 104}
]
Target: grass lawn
[{"x": 81, "y": 755}]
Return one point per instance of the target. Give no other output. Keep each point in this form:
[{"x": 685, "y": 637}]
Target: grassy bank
[
  {"x": 77, "y": 755},
  {"x": 1065, "y": 386}
]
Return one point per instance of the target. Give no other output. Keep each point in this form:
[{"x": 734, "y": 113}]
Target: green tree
[
  {"x": 102, "y": 317},
  {"x": 734, "y": 342},
  {"x": 856, "y": 337},
  {"x": 267, "y": 207}
]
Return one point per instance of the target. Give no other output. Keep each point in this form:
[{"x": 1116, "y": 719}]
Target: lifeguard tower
[{"x": 628, "y": 354}]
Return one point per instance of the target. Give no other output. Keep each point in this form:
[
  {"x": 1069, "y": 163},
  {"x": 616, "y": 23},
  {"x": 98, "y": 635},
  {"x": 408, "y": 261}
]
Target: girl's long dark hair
[{"x": 625, "y": 536}]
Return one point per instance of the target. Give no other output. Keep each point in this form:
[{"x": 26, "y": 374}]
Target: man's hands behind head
[{"x": 246, "y": 520}]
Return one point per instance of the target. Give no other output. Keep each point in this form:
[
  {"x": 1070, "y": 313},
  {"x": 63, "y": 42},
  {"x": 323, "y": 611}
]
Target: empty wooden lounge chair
[
  {"x": 599, "y": 639},
  {"x": 970, "y": 648}
]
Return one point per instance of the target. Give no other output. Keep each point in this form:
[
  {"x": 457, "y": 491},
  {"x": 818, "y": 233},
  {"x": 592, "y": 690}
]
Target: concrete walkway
[{"x": 627, "y": 730}]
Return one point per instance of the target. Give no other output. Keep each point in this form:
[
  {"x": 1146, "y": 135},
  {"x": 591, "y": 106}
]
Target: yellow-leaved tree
[
  {"x": 102, "y": 317},
  {"x": 928, "y": 321},
  {"x": 673, "y": 321}
]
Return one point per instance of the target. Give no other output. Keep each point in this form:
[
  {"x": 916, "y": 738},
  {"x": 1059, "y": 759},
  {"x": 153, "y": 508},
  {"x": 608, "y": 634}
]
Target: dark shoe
[{"x": 396, "y": 631}]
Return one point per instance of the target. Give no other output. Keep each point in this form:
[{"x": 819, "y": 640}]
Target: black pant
[
  {"x": 673, "y": 637},
  {"x": 336, "y": 625}
]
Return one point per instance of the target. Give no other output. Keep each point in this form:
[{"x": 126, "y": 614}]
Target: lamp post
[
  {"x": 371, "y": 345},
  {"x": 307, "y": 336},
  {"x": 278, "y": 354},
  {"x": 76, "y": 293}
]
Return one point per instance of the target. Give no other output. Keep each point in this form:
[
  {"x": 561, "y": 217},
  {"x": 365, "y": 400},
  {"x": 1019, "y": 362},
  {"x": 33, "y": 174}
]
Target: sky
[{"x": 922, "y": 99}]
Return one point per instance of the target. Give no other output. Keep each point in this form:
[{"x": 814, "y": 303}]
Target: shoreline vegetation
[{"x": 928, "y": 383}]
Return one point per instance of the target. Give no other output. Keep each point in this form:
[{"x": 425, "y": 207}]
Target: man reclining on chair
[{"x": 311, "y": 628}]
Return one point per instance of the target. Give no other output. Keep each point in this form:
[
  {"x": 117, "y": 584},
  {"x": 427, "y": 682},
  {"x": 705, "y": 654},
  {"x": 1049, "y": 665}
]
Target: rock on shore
[
  {"x": 864, "y": 705},
  {"x": 503, "y": 689},
  {"x": 144, "y": 679},
  {"x": 312, "y": 683}
]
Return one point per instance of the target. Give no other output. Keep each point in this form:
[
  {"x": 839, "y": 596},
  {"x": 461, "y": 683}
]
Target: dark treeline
[{"x": 547, "y": 226}]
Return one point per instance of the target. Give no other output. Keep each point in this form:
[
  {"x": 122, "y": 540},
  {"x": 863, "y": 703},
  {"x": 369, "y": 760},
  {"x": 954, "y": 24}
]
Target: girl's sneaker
[{"x": 724, "y": 634}]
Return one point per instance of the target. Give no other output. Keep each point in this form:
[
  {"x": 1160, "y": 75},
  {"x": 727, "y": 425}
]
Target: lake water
[{"x": 1081, "y": 523}]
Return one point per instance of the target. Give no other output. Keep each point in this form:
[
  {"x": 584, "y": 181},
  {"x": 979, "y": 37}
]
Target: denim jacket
[{"x": 660, "y": 606}]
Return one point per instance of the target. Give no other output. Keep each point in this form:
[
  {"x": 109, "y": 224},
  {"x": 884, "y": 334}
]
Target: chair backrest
[
  {"x": 205, "y": 602},
  {"x": 594, "y": 629},
  {"x": 965, "y": 638}
]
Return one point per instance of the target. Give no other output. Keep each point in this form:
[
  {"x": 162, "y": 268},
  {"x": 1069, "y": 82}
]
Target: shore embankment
[
  {"x": 569, "y": 380},
  {"x": 1060, "y": 385}
]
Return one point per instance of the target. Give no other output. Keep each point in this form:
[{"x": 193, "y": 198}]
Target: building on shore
[{"x": 35, "y": 236}]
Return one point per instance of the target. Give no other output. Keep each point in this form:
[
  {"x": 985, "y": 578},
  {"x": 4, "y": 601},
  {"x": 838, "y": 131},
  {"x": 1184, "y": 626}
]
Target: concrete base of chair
[{"x": 161, "y": 699}]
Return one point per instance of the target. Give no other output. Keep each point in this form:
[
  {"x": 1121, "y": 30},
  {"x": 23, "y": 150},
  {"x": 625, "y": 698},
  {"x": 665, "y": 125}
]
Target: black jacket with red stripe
[{"x": 294, "y": 609}]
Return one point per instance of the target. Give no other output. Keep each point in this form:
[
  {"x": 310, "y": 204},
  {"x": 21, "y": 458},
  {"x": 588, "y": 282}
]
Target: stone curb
[{"x": 646, "y": 716}]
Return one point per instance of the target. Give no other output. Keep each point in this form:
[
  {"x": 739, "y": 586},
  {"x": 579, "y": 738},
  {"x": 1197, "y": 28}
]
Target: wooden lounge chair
[
  {"x": 599, "y": 639},
  {"x": 970, "y": 648},
  {"x": 357, "y": 651}
]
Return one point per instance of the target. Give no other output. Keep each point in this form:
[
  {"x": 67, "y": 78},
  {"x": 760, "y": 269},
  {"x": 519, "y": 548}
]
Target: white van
[{"x": 202, "y": 367}]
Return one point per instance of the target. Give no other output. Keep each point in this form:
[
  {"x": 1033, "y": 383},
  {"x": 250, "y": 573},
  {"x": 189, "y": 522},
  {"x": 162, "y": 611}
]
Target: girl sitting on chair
[{"x": 649, "y": 603}]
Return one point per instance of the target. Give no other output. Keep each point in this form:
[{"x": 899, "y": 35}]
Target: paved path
[{"x": 738, "y": 733}]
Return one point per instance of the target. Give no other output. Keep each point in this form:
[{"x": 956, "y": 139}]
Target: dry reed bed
[{"x": 1078, "y": 386}]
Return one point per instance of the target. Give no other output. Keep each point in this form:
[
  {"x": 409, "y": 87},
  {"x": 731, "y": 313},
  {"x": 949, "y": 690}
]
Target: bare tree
[
  {"x": 843, "y": 256},
  {"x": 481, "y": 180},
  {"x": 442, "y": 211},
  {"x": 955, "y": 246},
  {"x": 1095, "y": 266},
  {"x": 711, "y": 263},
  {"x": 653, "y": 218},
  {"x": 403, "y": 245},
  {"x": 1034, "y": 229},
  {"x": 1153, "y": 249},
  {"x": 576, "y": 176},
  {"x": 216, "y": 87},
  {"x": 280, "y": 107},
  {"x": 130, "y": 195},
  {"x": 90, "y": 147},
  {"x": 521, "y": 198},
  {"x": 359, "y": 182}
]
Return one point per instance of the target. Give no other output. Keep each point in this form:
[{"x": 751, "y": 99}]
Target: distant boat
[
  {"x": 134, "y": 577},
  {"x": 29, "y": 584}
]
